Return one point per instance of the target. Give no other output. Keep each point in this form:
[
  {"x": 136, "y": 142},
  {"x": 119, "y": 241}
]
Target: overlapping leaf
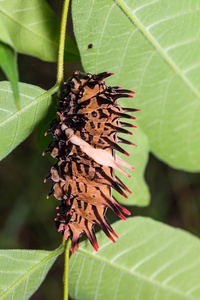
[
  {"x": 22, "y": 271},
  {"x": 149, "y": 261},
  {"x": 16, "y": 125},
  {"x": 152, "y": 46},
  {"x": 31, "y": 27}
]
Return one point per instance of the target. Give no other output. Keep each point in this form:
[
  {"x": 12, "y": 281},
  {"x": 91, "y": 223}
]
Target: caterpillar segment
[{"x": 85, "y": 134}]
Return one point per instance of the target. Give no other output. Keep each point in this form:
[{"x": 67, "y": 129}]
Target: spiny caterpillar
[{"x": 85, "y": 143}]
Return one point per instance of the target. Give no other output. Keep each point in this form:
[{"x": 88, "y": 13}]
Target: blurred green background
[{"x": 26, "y": 214}]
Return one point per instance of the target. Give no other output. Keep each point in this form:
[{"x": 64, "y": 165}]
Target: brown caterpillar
[{"x": 85, "y": 143}]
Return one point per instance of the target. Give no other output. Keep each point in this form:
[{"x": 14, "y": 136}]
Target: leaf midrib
[
  {"x": 158, "y": 48},
  {"x": 32, "y": 270},
  {"x": 127, "y": 272},
  {"x": 26, "y": 27},
  {"x": 33, "y": 32}
]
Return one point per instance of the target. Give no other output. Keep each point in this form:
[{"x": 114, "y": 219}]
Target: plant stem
[
  {"x": 59, "y": 81},
  {"x": 60, "y": 69},
  {"x": 66, "y": 269}
]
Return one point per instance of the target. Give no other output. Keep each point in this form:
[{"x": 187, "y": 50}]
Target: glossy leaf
[
  {"x": 31, "y": 27},
  {"x": 9, "y": 65},
  {"x": 152, "y": 46},
  {"x": 149, "y": 261},
  {"x": 15, "y": 126},
  {"x": 22, "y": 271}
]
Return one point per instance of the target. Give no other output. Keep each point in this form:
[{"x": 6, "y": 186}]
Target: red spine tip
[
  {"x": 126, "y": 153},
  {"x": 43, "y": 153},
  {"x": 122, "y": 217},
  {"x": 73, "y": 250},
  {"x": 111, "y": 238},
  {"x": 47, "y": 196},
  {"x": 46, "y": 133},
  {"x": 96, "y": 246},
  {"x": 58, "y": 214},
  {"x": 129, "y": 96},
  {"x": 132, "y": 92},
  {"x": 132, "y": 144},
  {"x": 126, "y": 211},
  {"x": 57, "y": 207},
  {"x": 45, "y": 180},
  {"x": 129, "y": 176},
  {"x": 133, "y": 118},
  {"x": 56, "y": 219},
  {"x": 112, "y": 74},
  {"x": 134, "y": 126},
  {"x": 66, "y": 227},
  {"x": 114, "y": 233},
  {"x": 127, "y": 190}
]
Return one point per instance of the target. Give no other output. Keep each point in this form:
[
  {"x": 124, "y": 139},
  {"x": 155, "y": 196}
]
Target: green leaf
[
  {"x": 152, "y": 46},
  {"x": 16, "y": 125},
  {"x": 149, "y": 261},
  {"x": 9, "y": 65},
  {"x": 22, "y": 271},
  {"x": 32, "y": 28}
]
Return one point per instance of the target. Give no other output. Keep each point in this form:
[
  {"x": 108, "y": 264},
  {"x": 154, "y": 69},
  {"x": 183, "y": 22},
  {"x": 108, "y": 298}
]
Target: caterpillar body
[{"x": 85, "y": 143}]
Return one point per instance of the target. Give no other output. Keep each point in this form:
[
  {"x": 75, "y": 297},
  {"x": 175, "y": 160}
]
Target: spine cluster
[{"x": 85, "y": 143}]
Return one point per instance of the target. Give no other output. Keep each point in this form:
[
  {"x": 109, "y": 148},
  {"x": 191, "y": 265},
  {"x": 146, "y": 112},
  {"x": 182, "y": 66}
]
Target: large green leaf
[
  {"x": 31, "y": 27},
  {"x": 153, "y": 47},
  {"x": 149, "y": 261},
  {"x": 22, "y": 271},
  {"x": 8, "y": 63},
  {"x": 16, "y": 125}
]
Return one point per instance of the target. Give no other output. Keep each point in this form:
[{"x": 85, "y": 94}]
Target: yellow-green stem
[
  {"x": 60, "y": 69},
  {"x": 67, "y": 245}
]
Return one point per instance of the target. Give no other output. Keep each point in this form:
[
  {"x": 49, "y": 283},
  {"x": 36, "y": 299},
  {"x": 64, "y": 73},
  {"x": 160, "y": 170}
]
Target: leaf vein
[{"x": 157, "y": 46}]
